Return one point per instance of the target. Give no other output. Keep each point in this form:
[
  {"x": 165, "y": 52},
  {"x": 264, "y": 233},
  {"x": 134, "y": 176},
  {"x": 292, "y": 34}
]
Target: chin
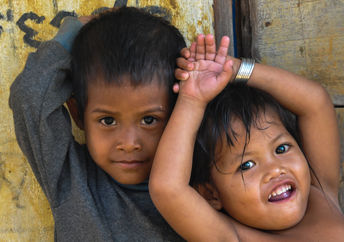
[
  {"x": 281, "y": 223},
  {"x": 130, "y": 180}
]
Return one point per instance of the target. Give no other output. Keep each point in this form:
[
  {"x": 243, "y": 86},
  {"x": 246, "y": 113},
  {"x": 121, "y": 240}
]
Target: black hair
[
  {"x": 240, "y": 102},
  {"x": 128, "y": 41}
]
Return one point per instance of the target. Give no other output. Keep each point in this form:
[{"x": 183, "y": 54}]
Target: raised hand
[{"x": 205, "y": 72}]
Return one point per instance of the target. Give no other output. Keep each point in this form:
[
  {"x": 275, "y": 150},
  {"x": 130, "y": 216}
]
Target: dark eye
[
  {"x": 108, "y": 121},
  {"x": 148, "y": 120},
  {"x": 247, "y": 165},
  {"x": 282, "y": 149}
]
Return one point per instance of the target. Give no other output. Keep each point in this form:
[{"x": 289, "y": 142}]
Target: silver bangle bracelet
[{"x": 245, "y": 70}]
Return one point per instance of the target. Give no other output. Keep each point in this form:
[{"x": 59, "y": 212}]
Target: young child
[
  {"x": 257, "y": 183},
  {"x": 121, "y": 82}
]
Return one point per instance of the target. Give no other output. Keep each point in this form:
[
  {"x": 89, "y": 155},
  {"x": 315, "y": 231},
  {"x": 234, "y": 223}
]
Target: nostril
[{"x": 128, "y": 147}]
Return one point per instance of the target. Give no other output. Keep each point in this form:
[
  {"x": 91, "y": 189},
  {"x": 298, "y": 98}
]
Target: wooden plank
[
  {"x": 305, "y": 37},
  {"x": 223, "y": 19},
  {"x": 340, "y": 115}
]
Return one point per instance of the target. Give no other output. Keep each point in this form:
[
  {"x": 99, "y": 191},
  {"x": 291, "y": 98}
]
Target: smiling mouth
[{"x": 281, "y": 193}]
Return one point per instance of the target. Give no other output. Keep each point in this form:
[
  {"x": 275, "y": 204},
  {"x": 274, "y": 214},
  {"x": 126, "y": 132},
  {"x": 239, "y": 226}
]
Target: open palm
[{"x": 211, "y": 71}]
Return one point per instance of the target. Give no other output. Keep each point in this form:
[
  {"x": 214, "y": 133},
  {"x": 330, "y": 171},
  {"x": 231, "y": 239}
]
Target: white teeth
[{"x": 280, "y": 190}]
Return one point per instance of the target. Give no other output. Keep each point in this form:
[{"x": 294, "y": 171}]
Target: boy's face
[
  {"x": 123, "y": 125},
  {"x": 268, "y": 187}
]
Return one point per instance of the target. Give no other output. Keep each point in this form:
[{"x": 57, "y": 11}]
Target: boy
[{"x": 121, "y": 76}]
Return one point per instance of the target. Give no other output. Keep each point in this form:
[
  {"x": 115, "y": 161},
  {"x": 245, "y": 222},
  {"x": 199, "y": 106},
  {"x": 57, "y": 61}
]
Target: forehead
[
  {"x": 126, "y": 95},
  {"x": 266, "y": 128}
]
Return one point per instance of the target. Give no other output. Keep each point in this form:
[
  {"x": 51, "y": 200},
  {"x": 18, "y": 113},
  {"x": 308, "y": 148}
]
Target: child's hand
[{"x": 204, "y": 73}]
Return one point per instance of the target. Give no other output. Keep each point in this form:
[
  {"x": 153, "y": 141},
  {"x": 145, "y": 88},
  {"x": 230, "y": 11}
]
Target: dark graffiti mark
[
  {"x": 9, "y": 15},
  {"x": 120, "y": 3},
  {"x": 29, "y": 32},
  {"x": 57, "y": 20},
  {"x": 160, "y": 11}
]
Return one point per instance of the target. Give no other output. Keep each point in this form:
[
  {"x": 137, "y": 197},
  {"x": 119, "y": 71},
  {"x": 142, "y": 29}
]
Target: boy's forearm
[{"x": 67, "y": 32}]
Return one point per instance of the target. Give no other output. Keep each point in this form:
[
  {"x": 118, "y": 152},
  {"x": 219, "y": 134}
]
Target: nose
[
  {"x": 128, "y": 140},
  {"x": 274, "y": 169}
]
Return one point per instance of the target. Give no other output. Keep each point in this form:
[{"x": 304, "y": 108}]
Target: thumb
[{"x": 226, "y": 74}]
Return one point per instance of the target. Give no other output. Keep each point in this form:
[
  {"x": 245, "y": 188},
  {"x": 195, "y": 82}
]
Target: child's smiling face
[
  {"x": 123, "y": 125},
  {"x": 268, "y": 187}
]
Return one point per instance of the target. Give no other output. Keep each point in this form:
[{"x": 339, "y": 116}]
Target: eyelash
[
  {"x": 113, "y": 122},
  {"x": 242, "y": 168},
  {"x": 103, "y": 121},
  {"x": 154, "y": 120},
  {"x": 284, "y": 147}
]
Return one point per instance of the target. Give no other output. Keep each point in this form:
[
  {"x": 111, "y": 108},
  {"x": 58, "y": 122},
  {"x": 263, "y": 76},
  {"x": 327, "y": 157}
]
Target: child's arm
[
  {"x": 42, "y": 124},
  {"x": 316, "y": 117},
  {"x": 184, "y": 209}
]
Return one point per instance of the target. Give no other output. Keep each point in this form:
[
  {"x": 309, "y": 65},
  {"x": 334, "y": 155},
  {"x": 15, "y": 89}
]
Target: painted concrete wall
[{"x": 24, "y": 212}]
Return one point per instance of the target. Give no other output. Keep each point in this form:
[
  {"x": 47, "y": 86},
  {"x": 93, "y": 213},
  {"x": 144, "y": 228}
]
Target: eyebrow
[{"x": 150, "y": 110}]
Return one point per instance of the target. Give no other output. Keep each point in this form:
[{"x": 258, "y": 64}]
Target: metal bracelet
[{"x": 245, "y": 70}]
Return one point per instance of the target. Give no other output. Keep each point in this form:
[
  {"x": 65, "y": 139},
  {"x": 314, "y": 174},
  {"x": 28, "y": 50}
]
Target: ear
[
  {"x": 210, "y": 193},
  {"x": 74, "y": 112}
]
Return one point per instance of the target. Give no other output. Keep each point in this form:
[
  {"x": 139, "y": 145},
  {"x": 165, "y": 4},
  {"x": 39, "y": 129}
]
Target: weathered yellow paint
[
  {"x": 306, "y": 37},
  {"x": 25, "y": 214}
]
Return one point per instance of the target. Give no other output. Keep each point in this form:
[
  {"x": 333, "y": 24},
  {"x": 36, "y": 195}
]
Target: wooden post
[{"x": 223, "y": 16}]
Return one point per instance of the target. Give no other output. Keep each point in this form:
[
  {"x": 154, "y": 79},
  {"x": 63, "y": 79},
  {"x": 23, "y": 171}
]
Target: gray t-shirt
[{"x": 87, "y": 204}]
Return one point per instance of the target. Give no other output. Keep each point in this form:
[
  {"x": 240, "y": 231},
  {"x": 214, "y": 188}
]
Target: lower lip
[
  {"x": 130, "y": 165},
  {"x": 286, "y": 198}
]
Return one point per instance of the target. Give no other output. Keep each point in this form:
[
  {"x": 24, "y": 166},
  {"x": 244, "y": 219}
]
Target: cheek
[
  {"x": 151, "y": 140},
  {"x": 237, "y": 192},
  {"x": 98, "y": 143}
]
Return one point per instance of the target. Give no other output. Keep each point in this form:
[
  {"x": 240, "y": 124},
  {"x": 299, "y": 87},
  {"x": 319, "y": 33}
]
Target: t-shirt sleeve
[{"x": 42, "y": 123}]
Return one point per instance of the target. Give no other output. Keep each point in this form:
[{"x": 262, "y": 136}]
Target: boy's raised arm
[
  {"x": 184, "y": 209},
  {"x": 42, "y": 124}
]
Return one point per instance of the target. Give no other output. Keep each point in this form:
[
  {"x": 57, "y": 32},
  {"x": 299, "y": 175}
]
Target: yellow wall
[{"x": 24, "y": 212}]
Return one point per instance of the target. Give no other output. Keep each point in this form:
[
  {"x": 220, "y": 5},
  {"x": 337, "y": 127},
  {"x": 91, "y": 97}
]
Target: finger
[
  {"x": 223, "y": 50},
  {"x": 184, "y": 64},
  {"x": 181, "y": 74},
  {"x": 185, "y": 52},
  {"x": 192, "y": 52},
  {"x": 225, "y": 76},
  {"x": 200, "y": 48},
  {"x": 210, "y": 47}
]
